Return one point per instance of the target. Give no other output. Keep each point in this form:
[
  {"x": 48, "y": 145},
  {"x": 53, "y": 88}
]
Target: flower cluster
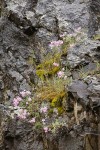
[
  {"x": 46, "y": 129},
  {"x": 56, "y": 43},
  {"x": 43, "y": 109},
  {"x": 32, "y": 120},
  {"x": 61, "y": 74},
  {"x": 22, "y": 114},
  {"x": 25, "y": 93},
  {"x": 21, "y": 111},
  {"x": 16, "y": 101},
  {"x": 55, "y": 64}
]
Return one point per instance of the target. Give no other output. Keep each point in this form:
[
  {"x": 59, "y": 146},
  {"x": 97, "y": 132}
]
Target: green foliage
[
  {"x": 46, "y": 68},
  {"x": 38, "y": 125},
  {"x": 53, "y": 90},
  {"x": 56, "y": 125}
]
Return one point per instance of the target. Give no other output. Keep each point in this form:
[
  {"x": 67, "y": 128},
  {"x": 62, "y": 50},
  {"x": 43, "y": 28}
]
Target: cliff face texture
[{"x": 25, "y": 26}]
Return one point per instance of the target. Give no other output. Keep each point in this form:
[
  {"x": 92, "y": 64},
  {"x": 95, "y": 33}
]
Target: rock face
[{"x": 28, "y": 25}]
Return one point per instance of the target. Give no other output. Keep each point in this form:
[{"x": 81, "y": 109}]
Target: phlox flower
[
  {"x": 55, "y": 64},
  {"x": 28, "y": 92},
  {"x": 43, "y": 109},
  {"x": 60, "y": 74},
  {"x": 22, "y": 114},
  {"x": 25, "y": 93},
  {"x": 19, "y": 98},
  {"x": 32, "y": 120},
  {"x": 16, "y": 101},
  {"x": 56, "y": 43},
  {"x": 46, "y": 129}
]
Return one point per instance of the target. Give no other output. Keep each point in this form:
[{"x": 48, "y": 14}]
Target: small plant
[
  {"x": 53, "y": 90},
  {"x": 43, "y": 107},
  {"x": 27, "y": 109},
  {"x": 47, "y": 68},
  {"x": 49, "y": 63}
]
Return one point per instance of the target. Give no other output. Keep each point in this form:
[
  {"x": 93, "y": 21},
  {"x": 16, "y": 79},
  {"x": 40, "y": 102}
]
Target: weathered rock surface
[
  {"x": 21, "y": 137},
  {"x": 84, "y": 53},
  {"x": 25, "y": 25}
]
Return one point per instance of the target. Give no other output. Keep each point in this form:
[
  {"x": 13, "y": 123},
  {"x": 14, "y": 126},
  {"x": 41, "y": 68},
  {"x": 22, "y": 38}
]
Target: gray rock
[
  {"x": 84, "y": 53},
  {"x": 86, "y": 91},
  {"x": 79, "y": 90},
  {"x": 77, "y": 144},
  {"x": 16, "y": 75}
]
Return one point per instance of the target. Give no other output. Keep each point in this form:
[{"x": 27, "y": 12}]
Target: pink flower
[
  {"x": 46, "y": 129},
  {"x": 15, "y": 102},
  {"x": 22, "y": 114},
  {"x": 43, "y": 109},
  {"x": 55, "y": 64},
  {"x": 28, "y": 93},
  {"x": 60, "y": 42},
  {"x": 19, "y": 98},
  {"x": 25, "y": 93},
  {"x": 32, "y": 120},
  {"x": 56, "y": 43},
  {"x": 60, "y": 74}
]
